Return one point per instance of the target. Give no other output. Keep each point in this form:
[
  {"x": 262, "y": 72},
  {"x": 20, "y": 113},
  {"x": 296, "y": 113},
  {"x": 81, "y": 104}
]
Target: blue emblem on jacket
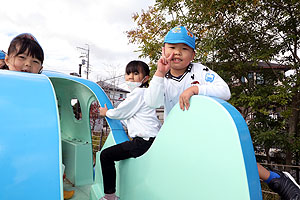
[{"x": 209, "y": 77}]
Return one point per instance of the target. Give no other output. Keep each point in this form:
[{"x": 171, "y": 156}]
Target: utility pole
[
  {"x": 87, "y": 55},
  {"x": 80, "y": 70}
]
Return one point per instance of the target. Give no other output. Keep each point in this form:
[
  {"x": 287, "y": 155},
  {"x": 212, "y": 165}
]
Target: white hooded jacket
[{"x": 166, "y": 91}]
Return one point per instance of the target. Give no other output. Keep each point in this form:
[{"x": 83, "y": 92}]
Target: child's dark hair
[
  {"x": 140, "y": 67},
  {"x": 23, "y": 43}
]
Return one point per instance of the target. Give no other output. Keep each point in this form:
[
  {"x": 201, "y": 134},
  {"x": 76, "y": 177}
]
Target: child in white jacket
[
  {"x": 142, "y": 124},
  {"x": 177, "y": 79}
]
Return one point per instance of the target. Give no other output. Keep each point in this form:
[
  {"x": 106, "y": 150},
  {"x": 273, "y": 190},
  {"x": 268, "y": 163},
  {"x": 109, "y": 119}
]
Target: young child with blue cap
[
  {"x": 177, "y": 79},
  {"x": 2, "y": 57}
]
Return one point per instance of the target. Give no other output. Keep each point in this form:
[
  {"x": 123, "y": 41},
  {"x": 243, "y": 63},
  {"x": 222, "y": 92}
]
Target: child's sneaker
[
  {"x": 110, "y": 198},
  {"x": 285, "y": 186}
]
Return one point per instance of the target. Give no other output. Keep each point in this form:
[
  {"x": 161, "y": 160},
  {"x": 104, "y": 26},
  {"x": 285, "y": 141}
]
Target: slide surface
[{"x": 203, "y": 153}]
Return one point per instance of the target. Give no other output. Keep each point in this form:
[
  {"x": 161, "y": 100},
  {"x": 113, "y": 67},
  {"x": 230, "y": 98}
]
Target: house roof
[
  {"x": 264, "y": 65},
  {"x": 274, "y": 66},
  {"x": 108, "y": 86}
]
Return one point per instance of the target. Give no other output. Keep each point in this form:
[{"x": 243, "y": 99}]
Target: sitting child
[{"x": 142, "y": 124}]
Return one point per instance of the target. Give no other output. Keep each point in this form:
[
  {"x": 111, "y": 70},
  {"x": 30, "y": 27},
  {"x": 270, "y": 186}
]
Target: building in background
[{"x": 114, "y": 93}]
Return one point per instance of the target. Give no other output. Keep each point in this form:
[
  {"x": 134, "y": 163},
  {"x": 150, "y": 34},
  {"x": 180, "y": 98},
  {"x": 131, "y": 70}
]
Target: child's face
[
  {"x": 183, "y": 55},
  {"x": 23, "y": 63},
  {"x": 134, "y": 77}
]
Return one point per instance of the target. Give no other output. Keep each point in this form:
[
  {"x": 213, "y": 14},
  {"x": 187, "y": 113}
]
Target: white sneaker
[{"x": 114, "y": 198}]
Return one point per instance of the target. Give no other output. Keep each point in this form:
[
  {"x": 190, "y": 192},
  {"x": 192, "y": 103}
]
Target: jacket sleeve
[
  {"x": 154, "y": 94},
  {"x": 127, "y": 108},
  {"x": 213, "y": 85}
]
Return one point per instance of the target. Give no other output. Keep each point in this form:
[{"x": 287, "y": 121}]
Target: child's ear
[
  {"x": 193, "y": 56},
  {"x": 146, "y": 79},
  {"x": 6, "y": 59}
]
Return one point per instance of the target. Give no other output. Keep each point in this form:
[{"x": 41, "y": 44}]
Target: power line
[{"x": 113, "y": 77}]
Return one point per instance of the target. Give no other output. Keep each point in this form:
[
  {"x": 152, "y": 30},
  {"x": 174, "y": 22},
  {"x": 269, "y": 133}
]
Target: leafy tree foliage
[{"x": 234, "y": 38}]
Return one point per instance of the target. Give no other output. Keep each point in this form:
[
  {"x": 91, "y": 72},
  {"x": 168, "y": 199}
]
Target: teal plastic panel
[
  {"x": 76, "y": 134},
  {"x": 71, "y": 128},
  {"x": 203, "y": 153},
  {"x": 76, "y": 156},
  {"x": 115, "y": 125}
]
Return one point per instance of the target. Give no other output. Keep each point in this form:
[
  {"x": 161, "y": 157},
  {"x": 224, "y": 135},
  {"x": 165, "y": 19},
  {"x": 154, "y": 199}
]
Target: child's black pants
[{"x": 129, "y": 149}]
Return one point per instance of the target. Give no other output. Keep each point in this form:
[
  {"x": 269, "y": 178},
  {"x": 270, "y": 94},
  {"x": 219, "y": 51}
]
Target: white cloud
[{"x": 62, "y": 25}]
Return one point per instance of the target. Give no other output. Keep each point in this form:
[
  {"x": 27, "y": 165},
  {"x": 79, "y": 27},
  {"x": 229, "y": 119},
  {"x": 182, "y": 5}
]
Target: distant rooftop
[
  {"x": 109, "y": 86},
  {"x": 274, "y": 66}
]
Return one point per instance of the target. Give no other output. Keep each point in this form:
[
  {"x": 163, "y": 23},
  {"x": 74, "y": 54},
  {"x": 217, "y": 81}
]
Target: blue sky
[{"x": 62, "y": 25}]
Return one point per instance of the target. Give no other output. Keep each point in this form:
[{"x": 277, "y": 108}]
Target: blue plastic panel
[{"x": 29, "y": 138}]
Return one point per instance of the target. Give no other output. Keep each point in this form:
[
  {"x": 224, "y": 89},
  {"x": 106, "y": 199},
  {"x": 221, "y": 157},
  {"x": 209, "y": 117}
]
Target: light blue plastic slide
[{"x": 203, "y": 153}]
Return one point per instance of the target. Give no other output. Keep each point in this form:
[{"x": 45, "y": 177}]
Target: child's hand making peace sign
[{"x": 163, "y": 64}]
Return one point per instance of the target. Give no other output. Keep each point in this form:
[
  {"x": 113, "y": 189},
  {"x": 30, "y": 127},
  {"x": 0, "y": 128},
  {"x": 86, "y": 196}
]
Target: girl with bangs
[
  {"x": 142, "y": 124},
  {"x": 24, "y": 54}
]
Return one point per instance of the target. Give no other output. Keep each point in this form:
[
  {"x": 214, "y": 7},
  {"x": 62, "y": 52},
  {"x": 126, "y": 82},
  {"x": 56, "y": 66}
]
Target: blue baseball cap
[
  {"x": 180, "y": 34},
  {"x": 2, "y": 55}
]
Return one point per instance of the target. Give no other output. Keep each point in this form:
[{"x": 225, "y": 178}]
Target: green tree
[{"x": 233, "y": 37}]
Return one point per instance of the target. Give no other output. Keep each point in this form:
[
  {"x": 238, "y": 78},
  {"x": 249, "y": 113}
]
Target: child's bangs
[
  {"x": 137, "y": 66},
  {"x": 33, "y": 49},
  {"x": 132, "y": 69}
]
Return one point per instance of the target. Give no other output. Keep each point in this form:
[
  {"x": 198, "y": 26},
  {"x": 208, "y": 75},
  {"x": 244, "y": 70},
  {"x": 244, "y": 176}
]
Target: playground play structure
[{"x": 203, "y": 153}]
